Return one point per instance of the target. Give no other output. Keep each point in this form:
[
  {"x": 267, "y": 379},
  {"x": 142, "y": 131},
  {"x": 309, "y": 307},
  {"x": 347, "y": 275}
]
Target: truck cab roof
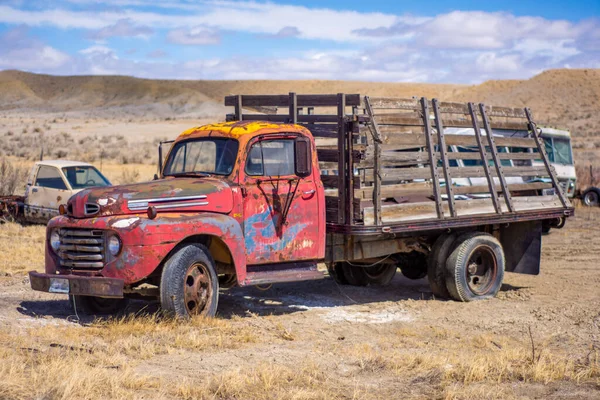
[
  {"x": 62, "y": 163},
  {"x": 241, "y": 129}
]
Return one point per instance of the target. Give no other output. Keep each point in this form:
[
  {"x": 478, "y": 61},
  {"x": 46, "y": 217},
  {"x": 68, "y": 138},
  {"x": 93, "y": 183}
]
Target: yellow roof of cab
[{"x": 236, "y": 129}]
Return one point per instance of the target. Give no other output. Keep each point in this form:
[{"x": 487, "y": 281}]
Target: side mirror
[{"x": 303, "y": 157}]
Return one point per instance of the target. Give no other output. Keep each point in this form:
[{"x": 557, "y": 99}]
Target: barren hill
[{"x": 566, "y": 98}]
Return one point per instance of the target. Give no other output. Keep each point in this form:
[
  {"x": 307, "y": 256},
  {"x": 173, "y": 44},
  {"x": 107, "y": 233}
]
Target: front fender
[{"x": 146, "y": 242}]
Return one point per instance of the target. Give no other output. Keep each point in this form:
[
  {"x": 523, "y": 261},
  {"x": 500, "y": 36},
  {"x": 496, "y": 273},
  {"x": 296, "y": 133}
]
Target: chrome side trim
[
  {"x": 180, "y": 205},
  {"x": 141, "y": 204}
]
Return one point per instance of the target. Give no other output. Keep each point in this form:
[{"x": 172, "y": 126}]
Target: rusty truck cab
[{"x": 247, "y": 194}]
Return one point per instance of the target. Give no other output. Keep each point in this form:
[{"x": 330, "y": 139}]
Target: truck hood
[{"x": 165, "y": 195}]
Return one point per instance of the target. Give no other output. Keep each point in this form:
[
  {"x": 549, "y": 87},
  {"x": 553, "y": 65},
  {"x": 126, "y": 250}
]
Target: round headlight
[
  {"x": 54, "y": 240},
  {"x": 114, "y": 245}
]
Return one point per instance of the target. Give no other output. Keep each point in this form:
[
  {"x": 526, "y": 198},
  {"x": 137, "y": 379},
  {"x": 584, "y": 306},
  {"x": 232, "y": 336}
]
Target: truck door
[
  {"x": 48, "y": 190},
  {"x": 281, "y": 207}
]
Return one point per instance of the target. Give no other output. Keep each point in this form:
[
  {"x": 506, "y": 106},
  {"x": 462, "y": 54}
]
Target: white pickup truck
[{"x": 50, "y": 184}]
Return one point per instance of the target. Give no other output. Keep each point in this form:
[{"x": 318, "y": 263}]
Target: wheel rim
[
  {"x": 197, "y": 289},
  {"x": 482, "y": 270},
  {"x": 591, "y": 199}
]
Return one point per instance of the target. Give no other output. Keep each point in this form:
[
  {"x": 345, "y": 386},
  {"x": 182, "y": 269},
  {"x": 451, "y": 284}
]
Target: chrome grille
[{"x": 81, "y": 248}]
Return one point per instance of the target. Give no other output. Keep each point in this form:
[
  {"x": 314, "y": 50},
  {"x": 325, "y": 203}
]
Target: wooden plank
[
  {"x": 497, "y": 163},
  {"x": 485, "y": 165},
  {"x": 343, "y": 190},
  {"x": 443, "y": 155},
  {"x": 385, "y": 130},
  {"x": 322, "y": 130},
  {"x": 404, "y": 174},
  {"x": 293, "y": 108},
  {"x": 437, "y": 196},
  {"x": 542, "y": 150},
  {"x": 444, "y": 107},
  {"x": 304, "y": 100},
  {"x": 366, "y": 193},
  {"x": 425, "y": 188},
  {"x": 404, "y": 158},
  {"x": 426, "y": 210},
  {"x": 376, "y": 195},
  {"x": 391, "y": 119},
  {"x": 238, "y": 108},
  {"x": 418, "y": 140},
  {"x": 286, "y": 118}
]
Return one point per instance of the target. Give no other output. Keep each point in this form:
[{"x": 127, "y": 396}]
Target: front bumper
[{"x": 77, "y": 285}]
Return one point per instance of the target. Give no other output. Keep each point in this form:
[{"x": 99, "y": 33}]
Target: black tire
[
  {"x": 591, "y": 197},
  {"x": 475, "y": 267},
  {"x": 413, "y": 265},
  {"x": 336, "y": 271},
  {"x": 560, "y": 223},
  {"x": 189, "y": 284},
  {"x": 436, "y": 265},
  {"x": 353, "y": 275},
  {"x": 357, "y": 275},
  {"x": 380, "y": 275},
  {"x": 97, "y": 306}
]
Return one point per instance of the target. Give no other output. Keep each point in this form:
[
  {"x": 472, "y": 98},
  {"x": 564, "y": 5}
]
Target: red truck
[{"x": 365, "y": 186}]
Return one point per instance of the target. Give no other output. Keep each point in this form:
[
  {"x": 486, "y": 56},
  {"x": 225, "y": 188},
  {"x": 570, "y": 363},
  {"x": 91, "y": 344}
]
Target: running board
[{"x": 284, "y": 272}]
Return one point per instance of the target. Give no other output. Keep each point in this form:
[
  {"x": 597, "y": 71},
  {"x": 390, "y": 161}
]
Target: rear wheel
[
  {"x": 475, "y": 267},
  {"x": 97, "y": 306},
  {"x": 591, "y": 198},
  {"x": 436, "y": 265},
  {"x": 357, "y": 275},
  {"x": 337, "y": 273},
  {"x": 189, "y": 284}
]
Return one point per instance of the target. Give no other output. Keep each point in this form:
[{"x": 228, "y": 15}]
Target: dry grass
[
  {"x": 99, "y": 360},
  {"x": 482, "y": 359},
  {"x": 24, "y": 254},
  {"x": 104, "y": 359}
]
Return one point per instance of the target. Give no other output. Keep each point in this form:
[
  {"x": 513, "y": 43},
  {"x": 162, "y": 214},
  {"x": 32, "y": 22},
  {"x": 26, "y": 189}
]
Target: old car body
[{"x": 49, "y": 184}]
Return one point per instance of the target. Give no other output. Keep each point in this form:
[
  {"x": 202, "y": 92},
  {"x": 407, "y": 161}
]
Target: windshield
[
  {"x": 84, "y": 177},
  {"x": 562, "y": 151},
  {"x": 202, "y": 156}
]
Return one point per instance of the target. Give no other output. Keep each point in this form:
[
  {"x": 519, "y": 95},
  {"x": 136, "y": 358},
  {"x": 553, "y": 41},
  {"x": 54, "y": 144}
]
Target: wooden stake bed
[{"x": 406, "y": 165}]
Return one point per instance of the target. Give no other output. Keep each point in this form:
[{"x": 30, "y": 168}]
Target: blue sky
[{"x": 396, "y": 41}]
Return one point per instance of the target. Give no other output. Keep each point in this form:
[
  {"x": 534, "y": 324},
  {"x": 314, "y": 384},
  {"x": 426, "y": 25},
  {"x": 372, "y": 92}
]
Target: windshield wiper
[{"x": 191, "y": 173}]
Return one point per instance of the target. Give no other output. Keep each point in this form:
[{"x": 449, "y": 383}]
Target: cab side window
[
  {"x": 49, "y": 177},
  {"x": 271, "y": 158}
]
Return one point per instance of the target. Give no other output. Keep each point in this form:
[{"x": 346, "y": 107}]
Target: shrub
[{"x": 10, "y": 177}]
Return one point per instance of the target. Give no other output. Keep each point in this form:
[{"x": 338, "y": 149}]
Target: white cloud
[
  {"x": 122, "y": 28},
  {"x": 195, "y": 36},
  {"x": 19, "y": 51},
  {"x": 459, "y": 46},
  {"x": 491, "y": 62},
  {"x": 244, "y": 16},
  {"x": 98, "y": 50}
]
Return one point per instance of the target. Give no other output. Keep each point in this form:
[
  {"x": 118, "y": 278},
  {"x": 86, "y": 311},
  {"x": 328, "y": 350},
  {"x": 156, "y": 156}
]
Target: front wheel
[
  {"x": 475, "y": 267},
  {"x": 189, "y": 284}
]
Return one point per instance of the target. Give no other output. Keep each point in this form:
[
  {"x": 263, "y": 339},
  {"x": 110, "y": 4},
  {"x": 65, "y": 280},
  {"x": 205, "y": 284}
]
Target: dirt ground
[{"x": 540, "y": 338}]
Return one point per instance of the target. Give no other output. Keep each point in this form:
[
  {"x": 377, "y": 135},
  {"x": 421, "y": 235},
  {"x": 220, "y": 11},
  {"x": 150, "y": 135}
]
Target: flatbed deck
[{"x": 385, "y": 161}]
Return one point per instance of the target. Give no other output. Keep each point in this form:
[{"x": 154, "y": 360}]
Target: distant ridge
[{"x": 567, "y": 98}]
